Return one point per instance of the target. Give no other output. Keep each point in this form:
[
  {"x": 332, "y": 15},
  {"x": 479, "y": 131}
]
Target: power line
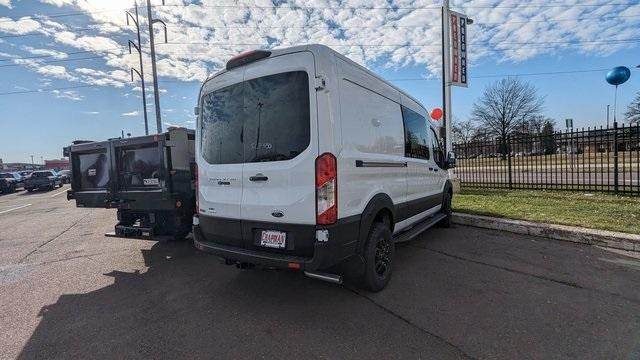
[
  {"x": 353, "y": 8},
  {"x": 57, "y": 61},
  {"x": 297, "y": 7},
  {"x": 421, "y": 45},
  {"x": 510, "y": 75},
  {"x": 604, "y": 18},
  {"x": 46, "y": 90},
  {"x": 399, "y": 79},
  {"x": 58, "y": 15},
  {"x": 77, "y": 30},
  {"x": 540, "y": 6},
  {"x": 68, "y": 53}
]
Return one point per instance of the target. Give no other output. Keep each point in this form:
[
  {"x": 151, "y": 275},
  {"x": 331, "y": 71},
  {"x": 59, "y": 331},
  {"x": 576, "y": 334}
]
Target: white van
[{"x": 307, "y": 160}]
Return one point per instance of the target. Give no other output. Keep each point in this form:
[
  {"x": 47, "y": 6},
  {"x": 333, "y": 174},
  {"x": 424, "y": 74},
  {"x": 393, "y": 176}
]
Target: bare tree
[
  {"x": 464, "y": 131},
  {"x": 504, "y": 106},
  {"x": 633, "y": 111},
  {"x": 536, "y": 123}
]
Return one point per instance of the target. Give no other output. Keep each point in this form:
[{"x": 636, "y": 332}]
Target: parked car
[
  {"x": 43, "y": 179},
  {"x": 25, "y": 174},
  {"x": 65, "y": 176},
  {"x": 307, "y": 160},
  {"x": 10, "y": 182}
]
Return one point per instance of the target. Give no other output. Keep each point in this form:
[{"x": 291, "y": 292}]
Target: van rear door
[
  {"x": 91, "y": 181},
  {"x": 140, "y": 166},
  {"x": 280, "y": 142},
  {"x": 219, "y": 149}
]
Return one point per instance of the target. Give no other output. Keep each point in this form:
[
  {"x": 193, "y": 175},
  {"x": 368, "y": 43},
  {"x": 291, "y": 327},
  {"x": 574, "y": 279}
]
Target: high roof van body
[{"x": 307, "y": 160}]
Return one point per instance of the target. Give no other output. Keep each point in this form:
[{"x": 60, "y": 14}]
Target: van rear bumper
[{"x": 341, "y": 245}]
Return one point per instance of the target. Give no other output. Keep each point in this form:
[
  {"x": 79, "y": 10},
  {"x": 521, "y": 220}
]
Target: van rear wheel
[{"x": 378, "y": 253}]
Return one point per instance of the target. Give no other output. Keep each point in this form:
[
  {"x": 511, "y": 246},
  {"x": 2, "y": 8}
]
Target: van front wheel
[
  {"x": 446, "y": 210},
  {"x": 378, "y": 253}
]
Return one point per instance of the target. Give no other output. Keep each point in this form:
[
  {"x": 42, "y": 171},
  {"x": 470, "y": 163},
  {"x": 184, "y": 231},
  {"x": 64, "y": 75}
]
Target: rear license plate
[{"x": 273, "y": 239}]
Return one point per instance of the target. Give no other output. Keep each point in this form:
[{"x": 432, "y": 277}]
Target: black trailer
[{"x": 149, "y": 179}]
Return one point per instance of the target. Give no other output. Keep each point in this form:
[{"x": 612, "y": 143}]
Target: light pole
[
  {"x": 141, "y": 72},
  {"x": 156, "y": 94}
]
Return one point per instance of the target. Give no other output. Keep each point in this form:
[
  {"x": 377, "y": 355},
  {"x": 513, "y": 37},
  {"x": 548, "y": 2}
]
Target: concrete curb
[{"x": 610, "y": 239}]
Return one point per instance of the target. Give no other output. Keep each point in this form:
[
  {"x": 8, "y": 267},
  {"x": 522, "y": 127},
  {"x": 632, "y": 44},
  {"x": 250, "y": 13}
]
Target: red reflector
[
  {"x": 293, "y": 265},
  {"x": 178, "y": 204}
]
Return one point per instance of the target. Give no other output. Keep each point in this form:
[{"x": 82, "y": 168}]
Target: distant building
[
  {"x": 20, "y": 166},
  {"x": 57, "y": 165}
]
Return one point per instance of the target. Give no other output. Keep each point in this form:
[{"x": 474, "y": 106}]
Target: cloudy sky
[{"x": 65, "y": 65}]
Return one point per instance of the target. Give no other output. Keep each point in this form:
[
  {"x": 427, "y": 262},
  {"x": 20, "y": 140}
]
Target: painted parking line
[
  {"x": 15, "y": 208},
  {"x": 61, "y": 192}
]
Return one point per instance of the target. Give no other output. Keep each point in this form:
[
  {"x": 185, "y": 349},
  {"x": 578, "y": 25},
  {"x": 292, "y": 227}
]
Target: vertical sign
[{"x": 458, "y": 23}]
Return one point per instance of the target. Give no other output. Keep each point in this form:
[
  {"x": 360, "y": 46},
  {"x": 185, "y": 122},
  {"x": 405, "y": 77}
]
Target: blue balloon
[{"x": 618, "y": 75}]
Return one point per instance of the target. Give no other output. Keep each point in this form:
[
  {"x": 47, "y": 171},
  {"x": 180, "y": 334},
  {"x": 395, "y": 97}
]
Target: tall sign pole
[
  {"x": 156, "y": 93},
  {"x": 446, "y": 76},
  {"x": 454, "y": 64}
]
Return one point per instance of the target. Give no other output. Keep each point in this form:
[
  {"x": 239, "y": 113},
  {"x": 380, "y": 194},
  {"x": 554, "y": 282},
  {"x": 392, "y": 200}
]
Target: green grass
[{"x": 590, "y": 210}]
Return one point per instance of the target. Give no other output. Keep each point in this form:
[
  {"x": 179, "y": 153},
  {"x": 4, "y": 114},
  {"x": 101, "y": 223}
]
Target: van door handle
[
  {"x": 258, "y": 178},
  {"x": 224, "y": 183}
]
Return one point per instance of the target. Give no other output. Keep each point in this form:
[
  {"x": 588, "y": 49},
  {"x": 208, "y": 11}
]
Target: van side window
[
  {"x": 438, "y": 156},
  {"x": 416, "y": 135}
]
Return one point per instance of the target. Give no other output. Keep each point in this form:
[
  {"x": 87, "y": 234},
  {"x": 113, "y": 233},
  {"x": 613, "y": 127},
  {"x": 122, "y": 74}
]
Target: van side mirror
[{"x": 451, "y": 160}]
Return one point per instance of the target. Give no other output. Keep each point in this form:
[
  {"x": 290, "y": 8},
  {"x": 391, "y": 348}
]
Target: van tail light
[{"x": 326, "y": 189}]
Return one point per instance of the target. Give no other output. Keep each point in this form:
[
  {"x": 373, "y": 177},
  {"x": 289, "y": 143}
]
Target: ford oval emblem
[{"x": 277, "y": 213}]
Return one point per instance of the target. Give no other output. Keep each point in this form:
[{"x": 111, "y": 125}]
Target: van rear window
[
  {"x": 140, "y": 166},
  {"x": 93, "y": 170},
  {"x": 263, "y": 119}
]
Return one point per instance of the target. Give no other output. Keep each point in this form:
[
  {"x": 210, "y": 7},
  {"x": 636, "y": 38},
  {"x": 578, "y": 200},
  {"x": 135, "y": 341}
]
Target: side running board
[{"x": 419, "y": 228}]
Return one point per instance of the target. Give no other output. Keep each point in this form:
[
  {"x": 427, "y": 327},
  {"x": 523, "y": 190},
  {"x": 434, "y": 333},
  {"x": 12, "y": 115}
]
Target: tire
[
  {"x": 378, "y": 254},
  {"x": 446, "y": 209}
]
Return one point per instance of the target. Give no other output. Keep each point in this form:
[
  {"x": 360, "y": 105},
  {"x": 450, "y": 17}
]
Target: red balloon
[{"x": 436, "y": 114}]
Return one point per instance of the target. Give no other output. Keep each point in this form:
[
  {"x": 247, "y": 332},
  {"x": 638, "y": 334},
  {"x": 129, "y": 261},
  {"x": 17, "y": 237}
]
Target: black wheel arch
[
  {"x": 448, "y": 188},
  {"x": 380, "y": 205}
]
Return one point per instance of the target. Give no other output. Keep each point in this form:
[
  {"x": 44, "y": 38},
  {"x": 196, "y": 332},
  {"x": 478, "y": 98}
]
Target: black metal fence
[{"x": 592, "y": 159}]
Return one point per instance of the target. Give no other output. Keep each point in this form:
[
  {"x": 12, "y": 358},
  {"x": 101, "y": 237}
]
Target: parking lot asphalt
[{"x": 66, "y": 291}]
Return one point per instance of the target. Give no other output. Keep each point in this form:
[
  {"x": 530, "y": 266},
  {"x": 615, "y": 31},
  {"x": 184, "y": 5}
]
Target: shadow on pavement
[{"x": 187, "y": 305}]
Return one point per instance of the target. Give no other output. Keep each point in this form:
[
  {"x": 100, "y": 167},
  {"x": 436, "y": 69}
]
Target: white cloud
[
  {"x": 92, "y": 112},
  {"x": 397, "y": 33},
  {"x": 46, "y": 52},
  {"x": 23, "y": 25},
  {"x": 68, "y": 94},
  {"x": 54, "y": 71},
  {"x": 168, "y": 124},
  {"x": 131, "y": 113},
  {"x": 6, "y": 3}
]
